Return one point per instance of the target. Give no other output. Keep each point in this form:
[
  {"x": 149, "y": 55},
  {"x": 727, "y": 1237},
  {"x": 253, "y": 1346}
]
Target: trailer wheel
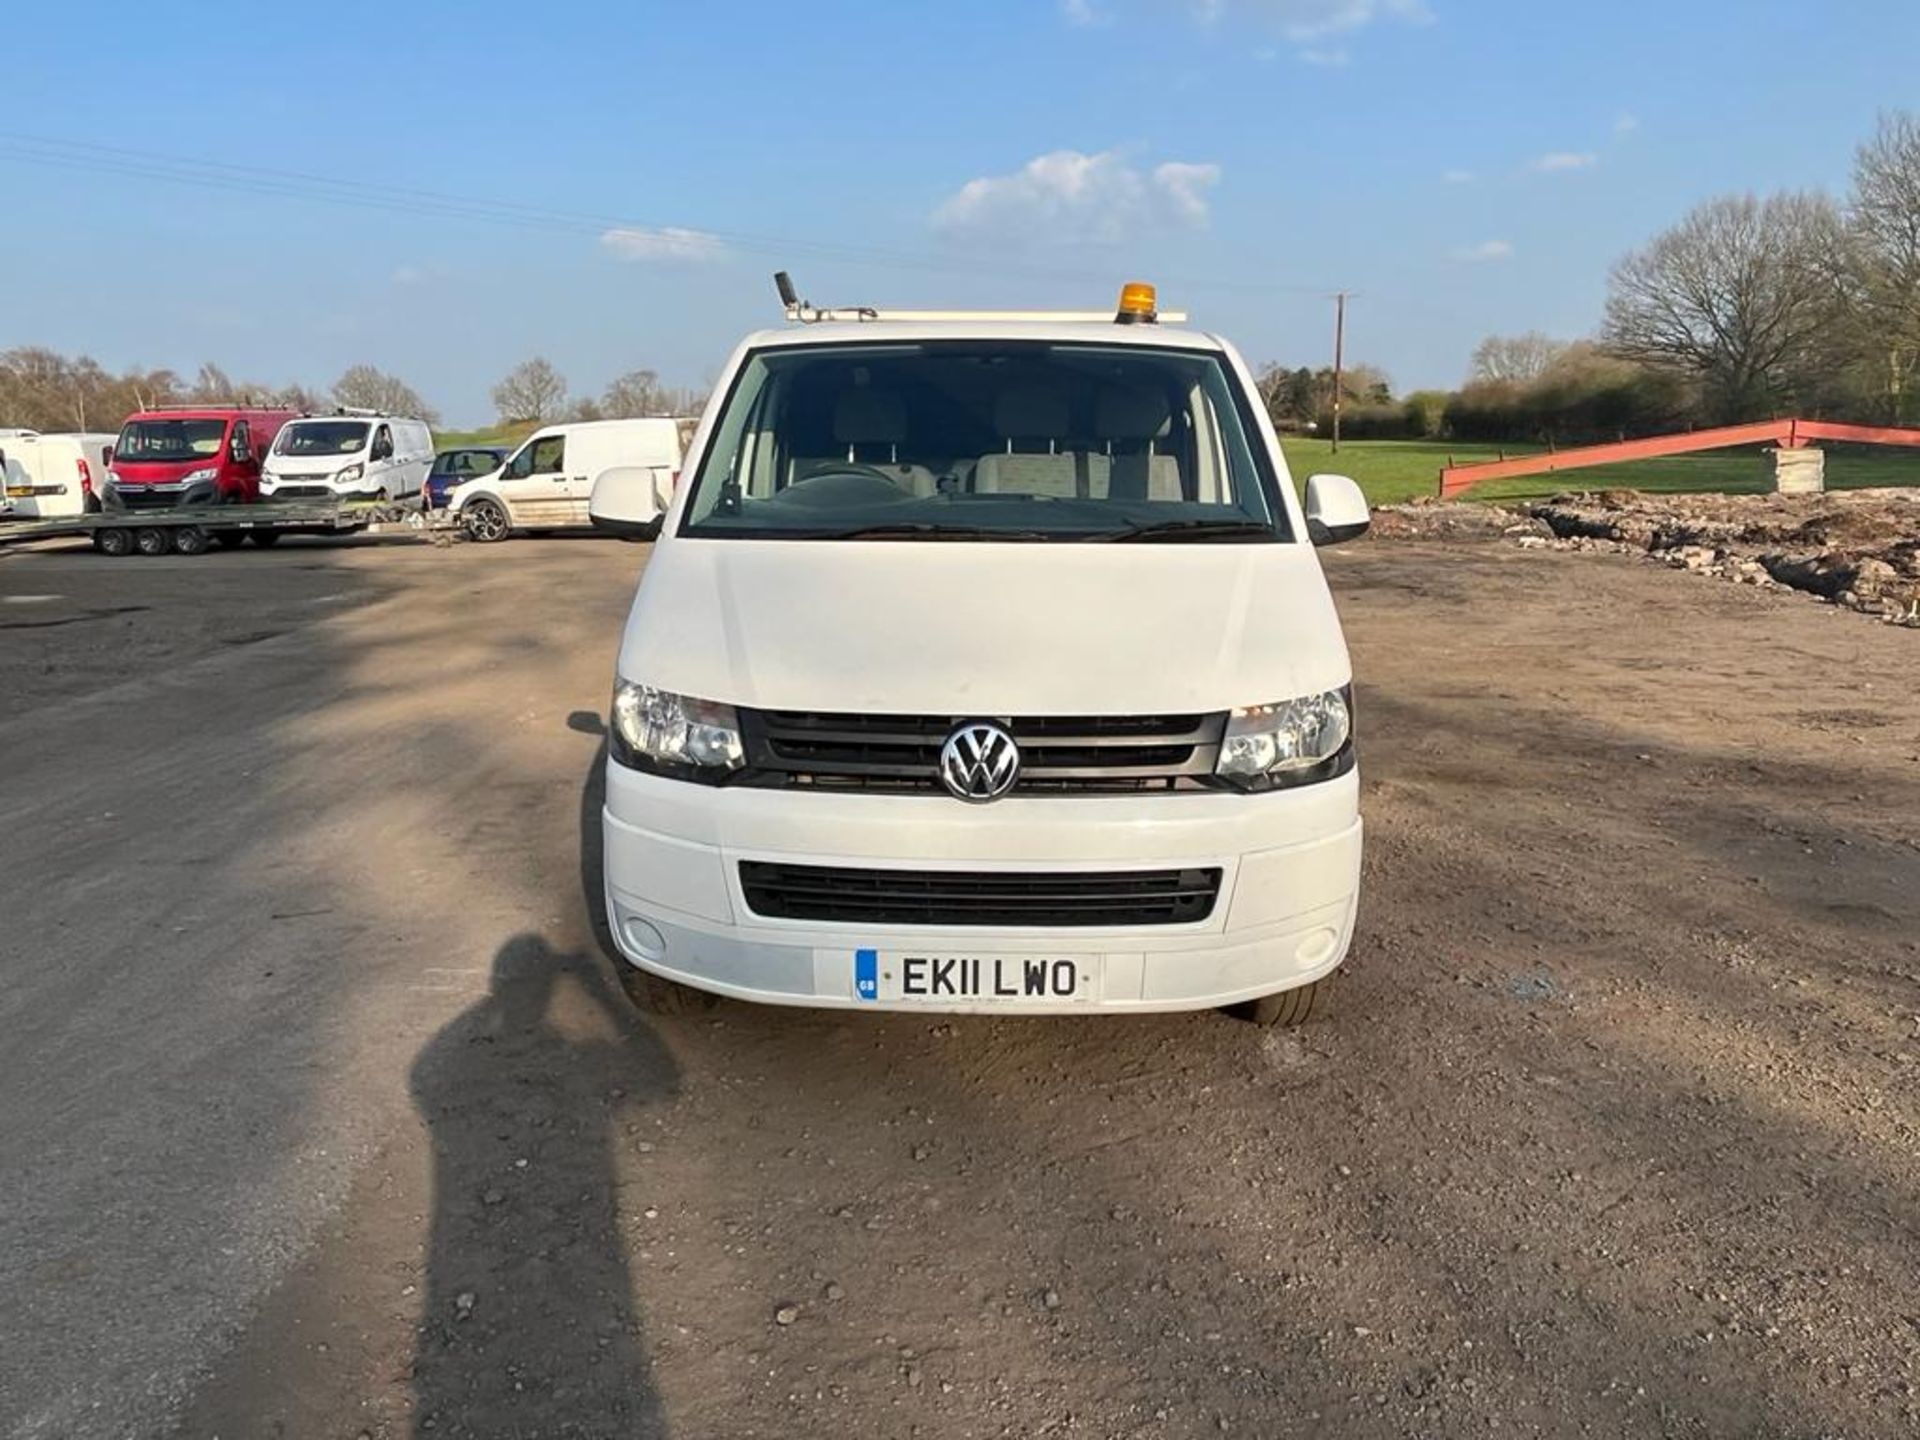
[
  {"x": 265, "y": 537},
  {"x": 95, "y": 538},
  {"x": 229, "y": 539},
  {"x": 115, "y": 540},
  {"x": 486, "y": 520},
  {"x": 191, "y": 540},
  {"x": 153, "y": 540}
]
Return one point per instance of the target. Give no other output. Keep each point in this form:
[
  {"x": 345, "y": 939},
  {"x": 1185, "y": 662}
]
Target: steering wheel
[{"x": 846, "y": 483}]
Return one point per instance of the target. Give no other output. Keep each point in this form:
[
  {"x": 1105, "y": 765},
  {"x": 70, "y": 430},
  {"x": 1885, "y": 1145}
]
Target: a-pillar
[{"x": 1802, "y": 471}]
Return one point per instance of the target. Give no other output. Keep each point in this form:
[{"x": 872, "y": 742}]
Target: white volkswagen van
[
  {"x": 986, "y": 664},
  {"x": 353, "y": 455}
]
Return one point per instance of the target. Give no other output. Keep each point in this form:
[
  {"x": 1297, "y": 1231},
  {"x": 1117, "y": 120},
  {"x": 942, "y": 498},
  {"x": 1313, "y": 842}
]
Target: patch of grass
[
  {"x": 510, "y": 435},
  {"x": 1391, "y": 471}
]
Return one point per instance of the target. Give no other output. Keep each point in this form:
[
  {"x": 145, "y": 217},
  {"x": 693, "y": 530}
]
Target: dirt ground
[{"x": 1613, "y": 1128}]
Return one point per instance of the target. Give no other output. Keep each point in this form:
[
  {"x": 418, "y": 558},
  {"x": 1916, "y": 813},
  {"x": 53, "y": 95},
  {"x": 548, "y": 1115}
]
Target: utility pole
[{"x": 1339, "y": 359}]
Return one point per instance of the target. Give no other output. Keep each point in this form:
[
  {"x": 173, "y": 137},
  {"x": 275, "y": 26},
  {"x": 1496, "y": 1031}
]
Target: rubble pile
[{"x": 1856, "y": 548}]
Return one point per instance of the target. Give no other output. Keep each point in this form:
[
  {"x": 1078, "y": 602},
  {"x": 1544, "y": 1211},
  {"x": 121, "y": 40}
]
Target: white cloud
[
  {"x": 1486, "y": 250},
  {"x": 1625, "y": 123},
  {"x": 1305, "y": 20},
  {"x": 408, "y": 275},
  {"x": 670, "y": 242},
  {"x": 1328, "y": 59},
  {"x": 1457, "y": 177},
  {"x": 1082, "y": 12},
  {"x": 1566, "y": 160},
  {"x": 1068, "y": 196}
]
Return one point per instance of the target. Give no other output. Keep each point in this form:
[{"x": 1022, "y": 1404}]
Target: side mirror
[
  {"x": 1336, "y": 510},
  {"x": 107, "y": 454},
  {"x": 629, "y": 501}
]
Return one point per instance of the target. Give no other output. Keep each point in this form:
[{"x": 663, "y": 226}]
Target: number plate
[{"x": 938, "y": 978}]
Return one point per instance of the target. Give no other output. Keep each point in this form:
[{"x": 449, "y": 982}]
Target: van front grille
[
  {"x": 1058, "y": 754},
  {"x": 1062, "y": 898}
]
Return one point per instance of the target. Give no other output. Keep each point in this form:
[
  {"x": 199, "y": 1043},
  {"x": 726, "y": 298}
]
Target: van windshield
[
  {"x": 986, "y": 440},
  {"x": 169, "y": 439},
  {"x": 321, "y": 437}
]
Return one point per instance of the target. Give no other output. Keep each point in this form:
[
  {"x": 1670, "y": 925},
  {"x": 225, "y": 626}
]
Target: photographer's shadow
[{"x": 529, "y": 1325}]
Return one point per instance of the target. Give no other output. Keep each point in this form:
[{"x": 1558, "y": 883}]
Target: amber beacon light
[{"x": 1138, "y": 304}]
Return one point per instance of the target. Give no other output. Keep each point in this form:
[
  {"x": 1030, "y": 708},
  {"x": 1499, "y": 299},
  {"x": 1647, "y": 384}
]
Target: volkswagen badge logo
[{"x": 979, "y": 762}]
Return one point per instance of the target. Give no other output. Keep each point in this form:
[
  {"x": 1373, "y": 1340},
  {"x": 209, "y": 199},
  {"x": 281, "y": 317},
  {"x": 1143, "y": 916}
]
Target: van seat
[
  {"x": 1032, "y": 424},
  {"x": 1130, "y": 420},
  {"x": 872, "y": 424}
]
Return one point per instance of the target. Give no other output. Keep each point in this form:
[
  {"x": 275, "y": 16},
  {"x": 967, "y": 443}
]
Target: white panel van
[
  {"x": 355, "y": 455},
  {"x": 549, "y": 481},
  {"x": 53, "y": 475},
  {"x": 986, "y": 663}
]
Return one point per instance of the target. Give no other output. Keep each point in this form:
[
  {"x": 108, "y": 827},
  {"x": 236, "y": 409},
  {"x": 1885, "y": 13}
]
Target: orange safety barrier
[{"x": 1788, "y": 434}]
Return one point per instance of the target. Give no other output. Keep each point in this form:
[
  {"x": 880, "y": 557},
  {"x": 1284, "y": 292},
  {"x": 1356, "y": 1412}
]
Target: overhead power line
[{"x": 296, "y": 185}]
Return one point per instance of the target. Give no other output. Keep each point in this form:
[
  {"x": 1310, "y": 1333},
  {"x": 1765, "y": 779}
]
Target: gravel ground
[{"x": 1613, "y": 1129}]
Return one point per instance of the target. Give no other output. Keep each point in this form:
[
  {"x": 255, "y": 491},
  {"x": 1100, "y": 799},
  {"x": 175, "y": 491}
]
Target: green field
[
  {"x": 508, "y": 435},
  {"x": 1395, "y": 470}
]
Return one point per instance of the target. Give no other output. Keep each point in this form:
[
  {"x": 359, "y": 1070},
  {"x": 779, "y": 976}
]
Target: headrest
[
  {"x": 1129, "y": 412},
  {"x": 1030, "y": 413},
  {"x": 869, "y": 417}
]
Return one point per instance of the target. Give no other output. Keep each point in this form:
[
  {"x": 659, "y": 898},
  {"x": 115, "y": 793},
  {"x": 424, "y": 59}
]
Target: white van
[
  {"x": 986, "y": 664},
  {"x": 47, "y": 476},
  {"x": 353, "y": 455},
  {"x": 549, "y": 481}
]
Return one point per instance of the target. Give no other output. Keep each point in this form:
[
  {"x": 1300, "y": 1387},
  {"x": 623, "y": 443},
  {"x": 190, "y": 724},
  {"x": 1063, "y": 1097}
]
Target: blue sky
[{"x": 1468, "y": 166}]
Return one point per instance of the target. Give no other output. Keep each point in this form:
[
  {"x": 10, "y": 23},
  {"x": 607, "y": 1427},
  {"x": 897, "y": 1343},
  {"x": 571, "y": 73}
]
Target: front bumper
[
  {"x": 165, "y": 495},
  {"x": 311, "y": 492},
  {"x": 1284, "y": 917}
]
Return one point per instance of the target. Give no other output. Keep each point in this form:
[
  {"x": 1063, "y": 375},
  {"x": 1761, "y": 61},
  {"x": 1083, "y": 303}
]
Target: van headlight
[
  {"x": 349, "y": 475},
  {"x": 194, "y": 477},
  {"x": 1291, "y": 742},
  {"x": 668, "y": 734}
]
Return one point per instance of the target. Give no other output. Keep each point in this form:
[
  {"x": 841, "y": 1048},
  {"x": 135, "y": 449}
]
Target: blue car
[{"x": 456, "y": 467}]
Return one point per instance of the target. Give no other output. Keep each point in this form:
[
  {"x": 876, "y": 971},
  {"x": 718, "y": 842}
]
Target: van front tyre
[
  {"x": 486, "y": 521},
  {"x": 1288, "y": 1009},
  {"x": 657, "y": 995}
]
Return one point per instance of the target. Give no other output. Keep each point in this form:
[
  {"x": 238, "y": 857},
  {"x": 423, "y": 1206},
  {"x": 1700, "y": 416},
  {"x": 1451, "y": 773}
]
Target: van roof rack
[{"x": 800, "y": 312}]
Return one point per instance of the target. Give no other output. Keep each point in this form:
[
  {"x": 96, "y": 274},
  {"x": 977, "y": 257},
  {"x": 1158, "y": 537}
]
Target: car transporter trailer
[{"x": 194, "y": 529}]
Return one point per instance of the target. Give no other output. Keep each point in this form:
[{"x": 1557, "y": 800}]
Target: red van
[{"x": 191, "y": 455}]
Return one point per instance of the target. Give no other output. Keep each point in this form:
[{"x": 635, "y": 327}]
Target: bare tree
[
  {"x": 634, "y": 394},
  {"x": 1739, "y": 296},
  {"x": 1519, "y": 358},
  {"x": 533, "y": 391},
  {"x": 211, "y": 386},
  {"x": 1883, "y": 262},
  {"x": 366, "y": 388}
]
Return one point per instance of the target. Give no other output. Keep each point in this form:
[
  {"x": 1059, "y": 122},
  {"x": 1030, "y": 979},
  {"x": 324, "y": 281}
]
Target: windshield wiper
[
  {"x": 1190, "y": 530},
  {"x": 925, "y": 530}
]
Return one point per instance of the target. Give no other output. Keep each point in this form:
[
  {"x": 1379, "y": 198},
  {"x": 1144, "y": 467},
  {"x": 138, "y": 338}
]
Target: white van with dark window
[
  {"x": 550, "y": 479},
  {"x": 986, "y": 664},
  {"x": 354, "y": 455}
]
